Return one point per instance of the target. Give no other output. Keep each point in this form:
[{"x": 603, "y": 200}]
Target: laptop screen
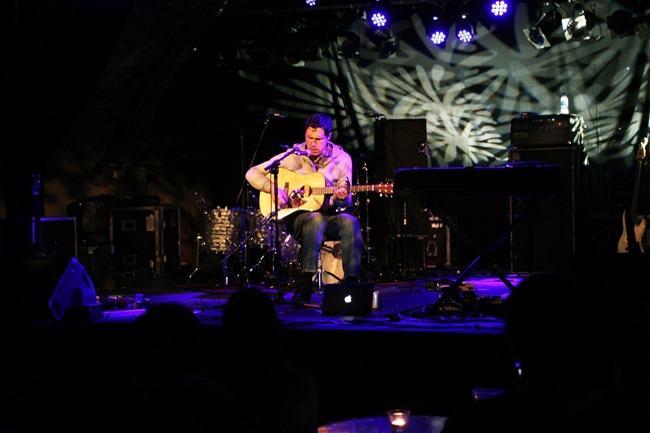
[{"x": 347, "y": 298}]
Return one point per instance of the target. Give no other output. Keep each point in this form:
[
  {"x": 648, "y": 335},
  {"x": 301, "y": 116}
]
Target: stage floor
[{"x": 424, "y": 303}]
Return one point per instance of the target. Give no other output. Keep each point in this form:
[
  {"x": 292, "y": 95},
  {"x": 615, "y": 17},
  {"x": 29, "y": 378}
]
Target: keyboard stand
[{"x": 483, "y": 256}]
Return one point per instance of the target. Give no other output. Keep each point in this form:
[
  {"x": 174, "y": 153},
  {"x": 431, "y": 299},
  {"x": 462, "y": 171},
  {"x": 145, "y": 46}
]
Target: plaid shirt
[{"x": 335, "y": 164}]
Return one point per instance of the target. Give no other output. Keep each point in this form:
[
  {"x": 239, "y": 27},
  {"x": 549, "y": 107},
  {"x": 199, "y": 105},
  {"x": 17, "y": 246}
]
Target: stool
[{"x": 330, "y": 264}]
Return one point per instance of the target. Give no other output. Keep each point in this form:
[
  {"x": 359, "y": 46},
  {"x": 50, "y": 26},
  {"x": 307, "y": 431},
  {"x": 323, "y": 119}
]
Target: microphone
[
  {"x": 299, "y": 151},
  {"x": 273, "y": 115},
  {"x": 371, "y": 114}
]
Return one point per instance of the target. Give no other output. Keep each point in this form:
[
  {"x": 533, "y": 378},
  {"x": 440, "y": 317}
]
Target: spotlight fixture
[
  {"x": 580, "y": 27},
  {"x": 349, "y": 45},
  {"x": 499, "y": 8},
  {"x": 298, "y": 55},
  {"x": 622, "y": 23},
  {"x": 437, "y": 31},
  {"x": 388, "y": 48},
  {"x": 465, "y": 29},
  {"x": 379, "y": 15},
  {"x": 311, "y": 3},
  {"x": 549, "y": 21}
]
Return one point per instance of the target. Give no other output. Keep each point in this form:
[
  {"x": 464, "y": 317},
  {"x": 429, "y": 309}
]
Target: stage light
[
  {"x": 622, "y": 23},
  {"x": 465, "y": 29},
  {"x": 580, "y": 27},
  {"x": 548, "y": 22},
  {"x": 349, "y": 46},
  {"x": 437, "y": 31},
  {"x": 379, "y": 15},
  {"x": 311, "y": 2},
  {"x": 388, "y": 47},
  {"x": 499, "y": 8}
]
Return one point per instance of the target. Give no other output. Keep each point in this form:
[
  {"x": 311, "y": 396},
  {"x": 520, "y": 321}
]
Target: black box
[
  {"x": 556, "y": 130},
  {"x": 146, "y": 237},
  {"x": 555, "y": 228},
  {"x": 44, "y": 237}
]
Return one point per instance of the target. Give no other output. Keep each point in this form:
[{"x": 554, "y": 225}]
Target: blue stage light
[
  {"x": 437, "y": 31},
  {"x": 499, "y": 8},
  {"x": 378, "y": 19},
  {"x": 465, "y": 29}
]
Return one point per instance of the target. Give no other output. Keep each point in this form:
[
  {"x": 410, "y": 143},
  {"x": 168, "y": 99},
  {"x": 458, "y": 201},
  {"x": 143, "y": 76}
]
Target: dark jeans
[{"x": 312, "y": 228}]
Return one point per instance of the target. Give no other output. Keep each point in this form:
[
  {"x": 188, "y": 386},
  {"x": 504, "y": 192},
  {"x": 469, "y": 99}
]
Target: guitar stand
[{"x": 485, "y": 257}]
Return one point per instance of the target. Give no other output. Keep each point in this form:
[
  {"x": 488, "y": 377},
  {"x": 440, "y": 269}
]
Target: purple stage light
[
  {"x": 438, "y": 37},
  {"x": 465, "y": 29},
  {"x": 499, "y": 8},
  {"x": 465, "y": 36},
  {"x": 379, "y": 19},
  {"x": 437, "y": 31}
]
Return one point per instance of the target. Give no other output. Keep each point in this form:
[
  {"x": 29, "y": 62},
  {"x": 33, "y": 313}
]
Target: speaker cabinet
[
  {"x": 401, "y": 140},
  {"x": 550, "y": 229},
  {"x": 46, "y": 289},
  {"x": 47, "y": 236},
  {"x": 146, "y": 237}
]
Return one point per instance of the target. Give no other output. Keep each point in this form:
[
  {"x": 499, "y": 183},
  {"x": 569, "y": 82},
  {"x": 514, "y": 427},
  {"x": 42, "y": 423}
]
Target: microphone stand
[
  {"x": 274, "y": 169},
  {"x": 364, "y": 168},
  {"x": 245, "y": 204}
]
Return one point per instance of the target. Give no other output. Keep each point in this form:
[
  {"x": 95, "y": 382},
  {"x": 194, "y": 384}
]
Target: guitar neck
[
  {"x": 639, "y": 166},
  {"x": 326, "y": 190}
]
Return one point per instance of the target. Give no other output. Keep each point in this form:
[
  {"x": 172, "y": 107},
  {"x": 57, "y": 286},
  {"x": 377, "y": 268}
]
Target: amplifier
[{"x": 558, "y": 130}]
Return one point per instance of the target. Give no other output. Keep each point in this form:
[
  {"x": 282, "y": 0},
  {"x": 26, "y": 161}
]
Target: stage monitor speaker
[
  {"x": 46, "y": 289},
  {"x": 402, "y": 141},
  {"x": 550, "y": 230}
]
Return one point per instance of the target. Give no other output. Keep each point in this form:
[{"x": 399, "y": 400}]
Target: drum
[
  {"x": 290, "y": 256},
  {"x": 222, "y": 228}
]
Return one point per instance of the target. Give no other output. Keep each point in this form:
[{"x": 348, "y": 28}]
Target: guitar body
[
  {"x": 634, "y": 230},
  {"x": 307, "y": 192},
  {"x": 634, "y": 227},
  {"x": 290, "y": 181}
]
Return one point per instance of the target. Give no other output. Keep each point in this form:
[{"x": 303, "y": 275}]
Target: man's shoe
[
  {"x": 303, "y": 289},
  {"x": 302, "y": 296}
]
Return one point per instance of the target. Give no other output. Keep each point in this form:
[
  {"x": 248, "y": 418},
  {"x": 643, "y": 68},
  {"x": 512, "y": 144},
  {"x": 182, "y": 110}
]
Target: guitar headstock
[
  {"x": 384, "y": 188},
  {"x": 640, "y": 154}
]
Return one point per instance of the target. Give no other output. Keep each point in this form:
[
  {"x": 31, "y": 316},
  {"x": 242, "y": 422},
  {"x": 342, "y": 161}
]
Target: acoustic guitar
[
  {"x": 306, "y": 192},
  {"x": 633, "y": 226}
]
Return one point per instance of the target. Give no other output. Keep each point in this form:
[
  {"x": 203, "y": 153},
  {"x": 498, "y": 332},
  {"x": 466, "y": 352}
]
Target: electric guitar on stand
[
  {"x": 306, "y": 192},
  {"x": 633, "y": 226}
]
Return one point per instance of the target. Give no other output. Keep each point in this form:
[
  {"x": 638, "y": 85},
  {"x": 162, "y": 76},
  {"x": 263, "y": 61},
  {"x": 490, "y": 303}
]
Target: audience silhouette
[
  {"x": 558, "y": 328},
  {"x": 276, "y": 395},
  {"x": 631, "y": 396},
  {"x": 170, "y": 371}
]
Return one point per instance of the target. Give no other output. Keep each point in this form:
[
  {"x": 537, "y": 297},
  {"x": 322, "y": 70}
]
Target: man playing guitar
[{"x": 310, "y": 218}]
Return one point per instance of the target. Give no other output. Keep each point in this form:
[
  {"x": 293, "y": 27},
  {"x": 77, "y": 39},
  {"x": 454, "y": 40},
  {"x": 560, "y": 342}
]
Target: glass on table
[{"x": 399, "y": 419}]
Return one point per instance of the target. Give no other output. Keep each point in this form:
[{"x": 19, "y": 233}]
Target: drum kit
[{"x": 245, "y": 235}]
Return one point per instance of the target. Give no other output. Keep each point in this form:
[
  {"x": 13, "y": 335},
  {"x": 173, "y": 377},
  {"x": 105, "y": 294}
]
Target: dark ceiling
[{"x": 85, "y": 76}]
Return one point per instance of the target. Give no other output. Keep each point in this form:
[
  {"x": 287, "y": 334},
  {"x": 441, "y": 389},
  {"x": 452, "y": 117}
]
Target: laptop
[{"x": 347, "y": 299}]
